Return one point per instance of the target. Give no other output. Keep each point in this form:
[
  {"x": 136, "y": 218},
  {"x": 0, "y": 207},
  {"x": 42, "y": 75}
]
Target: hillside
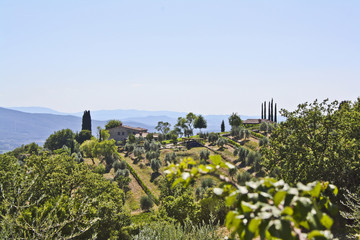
[{"x": 17, "y": 128}]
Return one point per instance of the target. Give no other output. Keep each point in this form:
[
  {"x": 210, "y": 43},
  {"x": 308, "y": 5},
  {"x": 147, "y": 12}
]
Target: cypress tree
[
  {"x": 269, "y": 111},
  {"x": 272, "y": 110},
  {"x": 262, "y": 111},
  {"x": 86, "y": 121},
  {"x": 265, "y": 110},
  {"x": 275, "y": 114},
  {"x": 222, "y": 126}
]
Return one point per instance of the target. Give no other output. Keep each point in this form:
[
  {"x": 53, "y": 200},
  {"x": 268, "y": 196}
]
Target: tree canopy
[
  {"x": 318, "y": 141},
  {"x": 200, "y": 122},
  {"x": 64, "y": 137},
  {"x": 112, "y": 124},
  {"x": 235, "y": 120}
]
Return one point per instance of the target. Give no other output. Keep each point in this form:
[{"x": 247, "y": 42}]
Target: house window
[
  {"x": 134, "y": 133},
  {"x": 118, "y": 133},
  {"x": 123, "y": 133}
]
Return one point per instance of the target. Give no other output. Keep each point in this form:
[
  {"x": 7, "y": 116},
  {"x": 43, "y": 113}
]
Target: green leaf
[
  {"x": 315, "y": 192},
  {"x": 288, "y": 211},
  {"x": 315, "y": 233},
  {"x": 326, "y": 221},
  {"x": 334, "y": 189},
  {"x": 254, "y": 224},
  {"x": 247, "y": 207},
  {"x": 279, "y": 197},
  {"x": 231, "y": 199}
]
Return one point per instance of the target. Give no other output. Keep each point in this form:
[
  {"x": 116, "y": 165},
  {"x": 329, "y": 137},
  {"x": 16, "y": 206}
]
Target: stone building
[{"x": 122, "y": 132}]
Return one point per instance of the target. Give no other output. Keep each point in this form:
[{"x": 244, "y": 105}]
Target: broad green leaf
[
  {"x": 231, "y": 199},
  {"x": 247, "y": 207},
  {"x": 279, "y": 197},
  {"x": 254, "y": 224},
  {"x": 334, "y": 189},
  {"x": 326, "y": 221},
  {"x": 315, "y": 192},
  {"x": 288, "y": 211},
  {"x": 315, "y": 233}
]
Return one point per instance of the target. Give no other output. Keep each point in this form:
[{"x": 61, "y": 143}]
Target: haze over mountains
[{"x": 23, "y": 125}]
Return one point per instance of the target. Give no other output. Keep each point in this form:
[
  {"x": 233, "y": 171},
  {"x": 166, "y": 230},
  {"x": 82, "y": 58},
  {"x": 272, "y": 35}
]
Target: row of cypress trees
[{"x": 272, "y": 114}]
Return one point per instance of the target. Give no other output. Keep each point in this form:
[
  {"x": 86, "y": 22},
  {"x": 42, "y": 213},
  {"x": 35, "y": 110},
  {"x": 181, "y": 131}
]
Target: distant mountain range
[{"x": 23, "y": 125}]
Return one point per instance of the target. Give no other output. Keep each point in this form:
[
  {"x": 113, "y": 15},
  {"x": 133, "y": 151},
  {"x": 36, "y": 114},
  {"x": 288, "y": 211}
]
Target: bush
[
  {"x": 170, "y": 157},
  {"x": 221, "y": 142},
  {"x": 122, "y": 172},
  {"x": 243, "y": 177},
  {"x": 146, "y": 203},
  {"x": 204, "y": 135},
  {"x": 213, "y": 137},
  {"x": 264, "y": 141},
  {"x": 188, "y": 231},
  {"x": 207, "y": 183},
  {"x": 253, "y": 157},
  {"x": 119, "y": 165},
  {"x": 155, "y": 164},
  {"x": 100, "y": 169},
  {"x": 204, "y": 154}
]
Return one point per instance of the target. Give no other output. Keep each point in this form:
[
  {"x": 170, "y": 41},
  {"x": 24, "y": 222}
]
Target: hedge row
[
  {"x": 233, "y": 143},
  {"x": 142, "y": 184},
  {"x": 257, "y": 135}
]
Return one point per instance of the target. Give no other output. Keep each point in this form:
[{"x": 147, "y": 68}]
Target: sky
[{"x": 202, "y": 56}]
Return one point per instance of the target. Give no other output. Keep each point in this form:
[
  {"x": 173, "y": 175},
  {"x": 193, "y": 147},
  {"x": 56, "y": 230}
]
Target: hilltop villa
[
  {"x": 256, "y": 121},
  {"x": 122, "y": 132}
]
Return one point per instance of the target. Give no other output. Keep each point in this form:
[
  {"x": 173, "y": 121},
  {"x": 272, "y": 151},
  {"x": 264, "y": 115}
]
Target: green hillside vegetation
[{"x": 241, "y": 184}]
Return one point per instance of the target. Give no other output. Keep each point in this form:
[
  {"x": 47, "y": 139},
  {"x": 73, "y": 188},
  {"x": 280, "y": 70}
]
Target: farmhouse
[
  {"x": 255, "y": 121},
  {"x": 122, "y": 132}
]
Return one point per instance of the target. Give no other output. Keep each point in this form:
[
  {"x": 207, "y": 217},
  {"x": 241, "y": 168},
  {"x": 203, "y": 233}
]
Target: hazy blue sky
[{"x": 210, "y": 57}]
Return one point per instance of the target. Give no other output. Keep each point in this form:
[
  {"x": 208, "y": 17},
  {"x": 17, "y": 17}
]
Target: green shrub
[
  {"x": 207, "y": 183},
  {"x": 146, "y": 203},
  {"x": 243, "y": 177},
  {"x": 188, "y": 231},
  {"x": 100, "y": 169}
]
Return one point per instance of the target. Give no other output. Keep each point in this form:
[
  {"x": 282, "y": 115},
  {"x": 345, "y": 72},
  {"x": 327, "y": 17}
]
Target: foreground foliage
[
  {"x": 187, "y": 231},
  {"x": 266, "y": 208},
  {"x": 54, "y": 196},
  {"x": 318, "y": 141}
]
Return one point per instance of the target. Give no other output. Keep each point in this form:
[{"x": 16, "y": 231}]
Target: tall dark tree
[
  {"x": 265, "y": 110},
  {"x": 275, "y": 113},
  {"x": 272, "y": 110},
  {"x": 262, "y": 111},
  {"x": 269, "y": 111},
  {"x": 222, "y": 126},
  {"x": 86, "y": 121}
]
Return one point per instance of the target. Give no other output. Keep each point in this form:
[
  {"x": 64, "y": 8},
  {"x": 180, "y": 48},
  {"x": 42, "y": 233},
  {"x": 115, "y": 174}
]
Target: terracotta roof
[
  {"x": 131, "y": 128},
  {"x": 135, "y": 128},
  {"x": 255, "y": 121}
]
